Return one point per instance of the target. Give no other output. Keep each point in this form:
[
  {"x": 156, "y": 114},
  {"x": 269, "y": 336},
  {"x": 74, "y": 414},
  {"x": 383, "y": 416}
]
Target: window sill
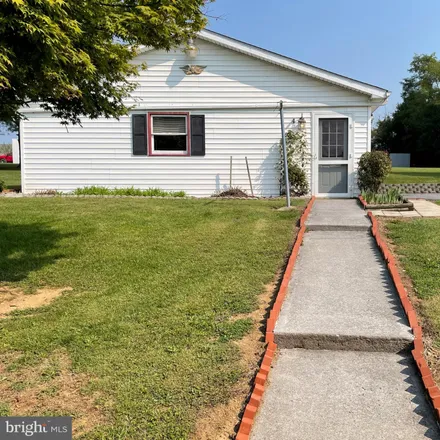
[{"x": 170, "y": 154}]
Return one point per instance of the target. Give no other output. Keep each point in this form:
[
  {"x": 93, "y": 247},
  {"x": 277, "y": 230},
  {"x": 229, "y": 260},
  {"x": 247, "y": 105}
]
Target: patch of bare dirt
[
  {"x": 218, "y": 423},
  {"x": 14, "y": 299},
  {"x": 432, "y": 353},
  {"x": 50, "y": 387}
]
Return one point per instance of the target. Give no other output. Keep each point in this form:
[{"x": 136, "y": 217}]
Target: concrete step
[
  {"x": 337, "y": 215},
  {"x": 343, "y": 395},
  {"x": 342, "y": 297}
]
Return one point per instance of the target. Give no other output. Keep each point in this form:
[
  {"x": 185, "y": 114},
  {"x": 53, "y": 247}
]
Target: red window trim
[{"x": 150, "y": 134}]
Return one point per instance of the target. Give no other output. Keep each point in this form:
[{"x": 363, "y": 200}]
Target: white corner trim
[{"x": 369, "y": 128}]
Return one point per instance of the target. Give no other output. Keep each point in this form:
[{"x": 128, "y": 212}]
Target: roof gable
[{"x": 373, "y": 92}]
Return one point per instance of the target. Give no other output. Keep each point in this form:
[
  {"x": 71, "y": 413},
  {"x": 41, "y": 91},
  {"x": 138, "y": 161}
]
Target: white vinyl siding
[
  {"x": 230, "y": 79},
  {"x": 100, "y": 153},
  {"x": 231, "y": 93}
]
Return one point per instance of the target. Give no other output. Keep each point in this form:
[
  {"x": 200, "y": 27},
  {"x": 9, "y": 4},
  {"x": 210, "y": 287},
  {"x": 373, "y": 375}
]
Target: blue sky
[{"x": 373, "y": 41}]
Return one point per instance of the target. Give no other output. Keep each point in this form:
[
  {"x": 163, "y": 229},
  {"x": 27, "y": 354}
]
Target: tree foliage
[
  {"x": 415, "y": 125},
  {"x": 73, "y": 56}
]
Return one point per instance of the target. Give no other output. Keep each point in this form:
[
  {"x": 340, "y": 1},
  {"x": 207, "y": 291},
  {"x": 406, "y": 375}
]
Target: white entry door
[{"x": 332, "y": 156}]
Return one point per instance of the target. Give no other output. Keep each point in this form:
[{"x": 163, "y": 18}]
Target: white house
[{"x": 193, "y": 111}]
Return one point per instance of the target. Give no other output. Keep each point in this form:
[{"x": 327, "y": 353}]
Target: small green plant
[
  {"x": 374, "y": 167},
  {"x": 298, "y": 157},
  {"x": 5, "y": 409},
  {"x": 104, "y": 191},
  {"x": 391, "y": 197},
  {"x": 2, "y": 185}
]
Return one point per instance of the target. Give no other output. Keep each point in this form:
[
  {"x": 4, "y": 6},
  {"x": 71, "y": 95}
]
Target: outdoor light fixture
[
  {"x": 302, "y": 122},
  {"x": 191, "y": 49}
]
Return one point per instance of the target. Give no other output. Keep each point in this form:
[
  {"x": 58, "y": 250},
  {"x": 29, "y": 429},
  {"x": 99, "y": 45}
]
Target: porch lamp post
[{"x": 286, "y": 166}]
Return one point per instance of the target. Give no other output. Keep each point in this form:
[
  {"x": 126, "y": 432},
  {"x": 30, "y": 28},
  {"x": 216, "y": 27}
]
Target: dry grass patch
[
  {"x": 12, "y": 299},
  {"x": 218, "y": 422},
  {"x": 49, "y": 388}
]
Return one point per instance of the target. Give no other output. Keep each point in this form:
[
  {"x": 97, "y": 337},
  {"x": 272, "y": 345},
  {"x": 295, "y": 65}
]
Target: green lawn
[
  {"x": 418, "y": 248},
  {"x": 147, "y": 326},
  {"x": 414, "y": 175},
  {"x": 11, "y": 175}
]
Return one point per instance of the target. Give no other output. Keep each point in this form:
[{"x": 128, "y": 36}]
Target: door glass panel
[{"x": 333, "y": 139}]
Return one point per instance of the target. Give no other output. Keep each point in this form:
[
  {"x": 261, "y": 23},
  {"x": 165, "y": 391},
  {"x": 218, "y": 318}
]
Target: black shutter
[
  {"x": 197, "y": 135},
  {"x": 139, "y": 126}
]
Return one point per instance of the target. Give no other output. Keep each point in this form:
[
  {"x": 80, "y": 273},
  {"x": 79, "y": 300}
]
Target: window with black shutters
[{"x": 169, "y": 134}]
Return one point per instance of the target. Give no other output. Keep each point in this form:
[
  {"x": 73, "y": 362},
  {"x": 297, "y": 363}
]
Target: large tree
[
  {"x": 73, "y": 56},
  {"x": 415, "y": 125}
]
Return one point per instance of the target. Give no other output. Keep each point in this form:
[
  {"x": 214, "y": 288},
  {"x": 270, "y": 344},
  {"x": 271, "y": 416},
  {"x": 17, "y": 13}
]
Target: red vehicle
[{"x": 6, "y": 158}]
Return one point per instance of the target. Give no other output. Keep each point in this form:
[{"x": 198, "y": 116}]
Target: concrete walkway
[{"x": 343, "y": 370}]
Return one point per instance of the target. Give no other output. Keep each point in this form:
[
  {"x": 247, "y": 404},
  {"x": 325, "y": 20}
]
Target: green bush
[
  {"x": 373, "y": 169},
  {"x": 299, "y": 185},
  {"x": 104, "y": 191},
  {"x": 2, "y": 185}
]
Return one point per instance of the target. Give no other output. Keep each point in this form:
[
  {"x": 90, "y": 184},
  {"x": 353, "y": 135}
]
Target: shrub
[
  {"x": 2, "y": 185},
  {"x": 373, "y": 169},
  {"x": 391, "y": 197},
  {"x": 104, "y": 191},
  {"x": 299, "y": 183},
  {"x": 298, "y": 156}
]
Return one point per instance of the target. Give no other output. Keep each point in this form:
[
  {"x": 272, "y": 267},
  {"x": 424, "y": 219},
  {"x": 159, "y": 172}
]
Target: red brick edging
[
  {"x": 261, "y": 377},
  {"x": 431, "y": 388},
  {"x": 364, "y": 203}
]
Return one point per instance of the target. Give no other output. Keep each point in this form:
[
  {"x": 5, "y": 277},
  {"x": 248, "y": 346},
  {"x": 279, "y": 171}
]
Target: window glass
[
  {"x": 169, "y": 125},
  {"x": 169, "y": 133},
  {"x": 333, "y": 138},
  {"x": 170, "y": 143}
]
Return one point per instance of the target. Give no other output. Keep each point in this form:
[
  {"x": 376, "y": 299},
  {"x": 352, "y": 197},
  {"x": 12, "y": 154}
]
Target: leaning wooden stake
[
  {"x": 249, "y": 175},
  {"x": 230, "y": 174}
]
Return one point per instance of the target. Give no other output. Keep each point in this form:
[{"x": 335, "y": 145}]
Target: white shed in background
[
  {"x": 15, "y": 151},
  {"x": 192, "y": 114},
  {"x": 401, "y": 160}
]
